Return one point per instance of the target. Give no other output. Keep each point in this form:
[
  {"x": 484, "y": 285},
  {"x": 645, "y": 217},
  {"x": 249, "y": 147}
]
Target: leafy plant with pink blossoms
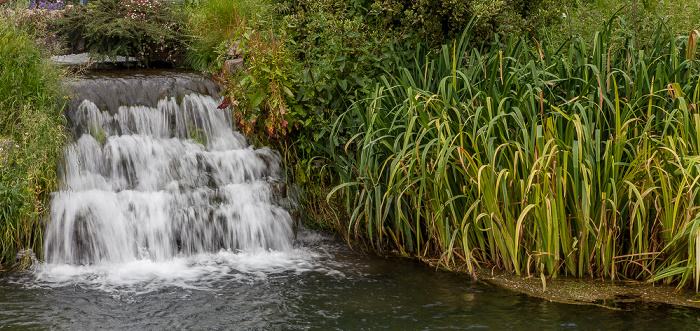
[
  {"x": 146, "y": 30},
  {"x": 140, "y": 10}
]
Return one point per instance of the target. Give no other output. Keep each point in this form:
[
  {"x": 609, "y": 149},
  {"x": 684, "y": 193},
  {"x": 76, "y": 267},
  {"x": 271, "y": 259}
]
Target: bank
[{"x": 608, "y": 294}]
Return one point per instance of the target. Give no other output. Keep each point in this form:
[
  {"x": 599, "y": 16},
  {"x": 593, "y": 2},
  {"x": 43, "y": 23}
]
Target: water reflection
[{"x": 338, "y": 289}]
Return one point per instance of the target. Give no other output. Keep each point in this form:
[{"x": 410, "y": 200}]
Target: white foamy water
[
  {"x": 170, "y": 194},
  {"x": 204, "y": 271}
]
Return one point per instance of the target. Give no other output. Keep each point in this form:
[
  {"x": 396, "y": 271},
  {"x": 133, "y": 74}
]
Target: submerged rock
[{"x": 624, "y": 295}]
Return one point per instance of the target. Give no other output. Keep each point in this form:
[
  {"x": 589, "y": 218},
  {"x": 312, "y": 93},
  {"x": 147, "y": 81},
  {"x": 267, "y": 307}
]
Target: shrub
[
  {"x": 146, "y": 30},
  {"x": 338, "y": 52},
  {"x": 261, "y": 93},
  {"x": 434, "y": 22},
  {"x": 336, "y": 47},
  {"x": 638, "y": 19},
  {"x": 37, "y": 23}
]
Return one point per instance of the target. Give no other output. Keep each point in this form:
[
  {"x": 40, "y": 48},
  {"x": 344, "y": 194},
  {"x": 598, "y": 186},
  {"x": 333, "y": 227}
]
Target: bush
[
  {"x": 326, "y": 51},
  {"x": 338, "y": 52},
  {"x": 37, "y": 23},
  {"x": 434, "y": 22},
  {"x": 146, "y": 30},
  {"x": 261, "y": 93}
]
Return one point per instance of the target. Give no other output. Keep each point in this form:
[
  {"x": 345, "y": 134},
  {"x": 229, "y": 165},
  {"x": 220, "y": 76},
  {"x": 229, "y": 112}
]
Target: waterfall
[{"x": 156, "y": 171}]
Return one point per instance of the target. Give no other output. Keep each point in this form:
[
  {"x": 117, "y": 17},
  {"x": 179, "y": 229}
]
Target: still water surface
[{"x": 319, "y": 285}]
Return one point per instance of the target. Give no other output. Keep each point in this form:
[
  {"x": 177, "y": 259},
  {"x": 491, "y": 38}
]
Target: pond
[{"x": 319, "y": 285}]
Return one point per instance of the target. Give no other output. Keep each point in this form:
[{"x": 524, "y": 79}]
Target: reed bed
[{"x": 575, "y": 161}]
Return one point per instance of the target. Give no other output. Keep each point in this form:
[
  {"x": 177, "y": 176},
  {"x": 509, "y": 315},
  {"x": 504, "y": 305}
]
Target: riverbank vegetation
[
  {"x": 537, "y": 154},
  {"x": 580, "y": 162},
  {"x": 31, "y": 137}
]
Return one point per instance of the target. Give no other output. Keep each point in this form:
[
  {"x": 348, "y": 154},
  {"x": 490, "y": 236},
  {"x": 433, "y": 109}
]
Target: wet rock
[
  {"x": 279, "y": 191},
  {"x": 233, "y": 49},
  {"x": 618, "y": 295},
  {"x": 233, "y": 66},
  {"x": 296, "y": 220}
]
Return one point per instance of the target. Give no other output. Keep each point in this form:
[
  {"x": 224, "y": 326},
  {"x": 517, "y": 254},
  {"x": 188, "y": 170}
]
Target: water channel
[{"x": 168, "y": 219}]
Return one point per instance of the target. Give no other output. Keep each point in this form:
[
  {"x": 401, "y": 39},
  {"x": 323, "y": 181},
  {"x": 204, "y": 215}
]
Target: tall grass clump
[
  {"x": 213, "y": 26},
  {"x": 578, "y": 161},
  {"x": 31, "y": 137}
]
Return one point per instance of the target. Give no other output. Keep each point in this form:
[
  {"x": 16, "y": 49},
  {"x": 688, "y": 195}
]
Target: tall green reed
[{"x": 574, "y": 161}]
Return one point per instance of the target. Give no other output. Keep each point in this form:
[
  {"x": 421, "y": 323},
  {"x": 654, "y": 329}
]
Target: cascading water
[{"x": 156, "y": 173}]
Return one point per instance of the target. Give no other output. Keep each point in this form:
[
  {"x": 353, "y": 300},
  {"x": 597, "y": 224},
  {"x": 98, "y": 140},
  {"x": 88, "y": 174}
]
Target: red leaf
[{"x": 225, "y": 103}]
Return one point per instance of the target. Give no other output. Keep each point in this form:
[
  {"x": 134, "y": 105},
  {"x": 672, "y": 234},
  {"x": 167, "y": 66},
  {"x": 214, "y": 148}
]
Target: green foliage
[
  {"x": 580, "y": 163},
  {"x": 300, "y": 76},
  {"x": 99, "y": 134},
  {"x": 338, "y": 53},
  {"x": 23, "y": 76},
  {"x": 37, "y": 24},
  {"x": 146, "y": 30},
  {"x": 196, "y": 134},
  {"x": 260, "y": 90},
  {"x": 214, "y": 25},
  {"x": 331, "y": 50},
  {"x": 14, "y": 4},
  {"x": 576, "y": 161},
  {"x": 262, "y": 93},
  {"x": 638, "y": 18},
  {"x": 31, "y": 138},
  {"x": 434, "y": 22},
  {"x": 319, "y": 214}
]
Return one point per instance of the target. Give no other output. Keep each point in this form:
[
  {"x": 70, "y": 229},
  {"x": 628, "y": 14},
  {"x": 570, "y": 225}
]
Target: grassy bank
[{"x": 31, "y": 137}]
